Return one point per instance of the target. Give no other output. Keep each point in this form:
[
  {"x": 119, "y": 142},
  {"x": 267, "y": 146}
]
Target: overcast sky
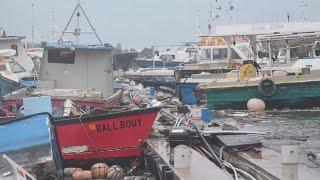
[{"x": 141, "y": 23}]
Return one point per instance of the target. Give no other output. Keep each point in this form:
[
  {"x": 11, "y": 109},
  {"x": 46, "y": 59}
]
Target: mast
[{"x": 77, "y": 11}]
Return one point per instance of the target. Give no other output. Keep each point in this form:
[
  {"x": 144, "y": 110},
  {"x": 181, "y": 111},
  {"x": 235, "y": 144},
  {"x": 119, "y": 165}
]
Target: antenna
[
  {"x": 77, "y": 11},
  {"x": 32, "y": 26},
  {"x": 210, "y": 18},
  {"x": 198, "y": 22},
  {"x": 302, "y": 6}
]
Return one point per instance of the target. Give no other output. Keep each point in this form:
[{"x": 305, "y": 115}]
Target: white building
[{"x": 83, "y": 67}]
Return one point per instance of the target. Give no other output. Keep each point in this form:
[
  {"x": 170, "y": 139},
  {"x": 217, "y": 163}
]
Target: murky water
[{"x": 301, "y": 128}]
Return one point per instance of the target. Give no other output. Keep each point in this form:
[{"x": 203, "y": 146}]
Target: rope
[{"x": 90, "y": 139}]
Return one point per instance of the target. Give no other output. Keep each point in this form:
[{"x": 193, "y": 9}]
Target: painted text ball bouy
[{"x": 256, "y": 105}]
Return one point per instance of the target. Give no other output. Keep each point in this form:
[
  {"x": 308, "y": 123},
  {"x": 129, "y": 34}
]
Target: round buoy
[
  {"x": 82, "y": 175},
  {"x": 115, "y": 173},
  {"x": 132, "y": 83},
  {"x": 99, "y": 170},
  {"x": 256, "y": 105},
  {"x": 137, "y": 100},
  {"x": 70, "y": 171}
]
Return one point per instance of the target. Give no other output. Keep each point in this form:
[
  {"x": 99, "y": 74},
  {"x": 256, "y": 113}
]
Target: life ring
[{"x": 267, "y": 87}]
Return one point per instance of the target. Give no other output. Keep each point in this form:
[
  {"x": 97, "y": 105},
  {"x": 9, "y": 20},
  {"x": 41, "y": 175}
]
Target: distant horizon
[{"x": 143, "y": 23}]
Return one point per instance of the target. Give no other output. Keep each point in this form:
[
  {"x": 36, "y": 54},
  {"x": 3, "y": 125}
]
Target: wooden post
[
  {"x": 289, "y": 162},
  {"x": 287, "y": 59}
]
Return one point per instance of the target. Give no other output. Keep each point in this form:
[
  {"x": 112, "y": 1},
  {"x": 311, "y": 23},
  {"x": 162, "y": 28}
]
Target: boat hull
[
  {"x": 24, "y": 132},
  {"x": 156, "y": 81},
  {"x": 102, "y": 136},
  {"x": 299, "y": 95}
]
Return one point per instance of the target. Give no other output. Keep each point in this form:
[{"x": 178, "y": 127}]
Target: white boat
[{"x": 169, "y": 56}]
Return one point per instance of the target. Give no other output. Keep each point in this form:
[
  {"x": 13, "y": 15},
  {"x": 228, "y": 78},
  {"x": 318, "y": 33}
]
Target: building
[{"x": 84, "y": 67}]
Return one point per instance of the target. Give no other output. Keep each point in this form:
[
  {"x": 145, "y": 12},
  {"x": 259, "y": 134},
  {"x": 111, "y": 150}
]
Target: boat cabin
[
  {"x": 83, "y": 67},
  {"x": 218, "y": 49},
  {"x": 21, "y": 63}
]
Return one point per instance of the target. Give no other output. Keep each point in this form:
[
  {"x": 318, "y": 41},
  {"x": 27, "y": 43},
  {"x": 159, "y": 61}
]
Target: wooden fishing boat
[
  {"x": 295, "y": 92},
  {"x": 100, "y": 135}
]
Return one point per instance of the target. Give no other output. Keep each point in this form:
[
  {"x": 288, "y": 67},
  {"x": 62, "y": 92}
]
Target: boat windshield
[
  {"x": 16, "y": 67},
  {"x": 218, "y": 54},
  {"x": 246, "y": 51}
]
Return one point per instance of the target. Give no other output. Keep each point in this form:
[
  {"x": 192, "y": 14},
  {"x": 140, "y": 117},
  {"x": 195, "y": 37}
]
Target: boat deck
[
  {"x": 271, "y": 162},
  {"x": 200, "y": 167}
]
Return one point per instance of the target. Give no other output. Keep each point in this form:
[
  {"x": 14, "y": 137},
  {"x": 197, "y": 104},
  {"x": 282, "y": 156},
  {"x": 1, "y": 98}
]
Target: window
[
  {"x": 61, "y": 56},
  {"x": 15, "y": 47},
  {"x": 235, "y": 55},
  {"x": 220, "y": 54},
  {"x": 16, "y": 67}
]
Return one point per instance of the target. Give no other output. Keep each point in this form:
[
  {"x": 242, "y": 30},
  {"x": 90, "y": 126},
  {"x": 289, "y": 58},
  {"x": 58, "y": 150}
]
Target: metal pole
[
  {"x": 61, "y": 37},
  {"x": 270, "y": 57}
]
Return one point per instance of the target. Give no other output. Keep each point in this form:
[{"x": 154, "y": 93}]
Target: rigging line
[
  {"x": 70, "y": 19},
  {"x": 93, "y": 29},
  {"x": 90, "y": 139}
]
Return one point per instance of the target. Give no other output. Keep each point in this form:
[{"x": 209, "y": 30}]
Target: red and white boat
[{"x": 107, "y": 134}]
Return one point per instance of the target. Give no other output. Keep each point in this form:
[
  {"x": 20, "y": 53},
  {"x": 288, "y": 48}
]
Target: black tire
[{"x": 267, "y": 87}]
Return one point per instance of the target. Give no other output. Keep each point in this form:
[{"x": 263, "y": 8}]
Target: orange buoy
[
  {"x": 99, "y": 170},
  {"x": 82, "y": 175},
  {"x": 115, "y": 173},
  {"x": 70, "y": 171}
]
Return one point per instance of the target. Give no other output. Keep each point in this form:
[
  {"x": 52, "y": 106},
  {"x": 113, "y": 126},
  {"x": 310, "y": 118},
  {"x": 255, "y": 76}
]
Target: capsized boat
[
  {"x": 100, "y": 135},
  {"x": 24, "y": 132},
  {"x": 293, "y": 91}
]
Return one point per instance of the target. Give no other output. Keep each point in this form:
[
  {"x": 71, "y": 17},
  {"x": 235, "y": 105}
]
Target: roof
[
  {"x": 281, "y": 40},
  {"x": 263, "y": 28},
  {"x": 106, "y": 47},
  {"x": 11, "y": 37}
]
